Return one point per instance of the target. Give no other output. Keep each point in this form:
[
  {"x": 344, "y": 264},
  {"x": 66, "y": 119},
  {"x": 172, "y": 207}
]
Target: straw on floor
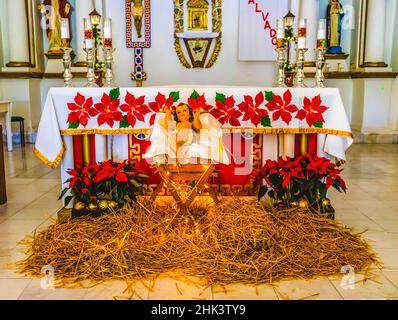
[{"x": 237, "y": 241}]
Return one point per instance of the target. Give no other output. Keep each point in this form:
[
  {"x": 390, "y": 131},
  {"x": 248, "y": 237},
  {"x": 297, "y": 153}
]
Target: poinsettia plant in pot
[
  {"x": 301, "y": 181},
  {"x": 96, "y": 188}
]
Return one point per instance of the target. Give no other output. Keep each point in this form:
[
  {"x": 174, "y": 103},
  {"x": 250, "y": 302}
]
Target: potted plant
[
  {"x": 300, "y": 182},
  {"x": 98, "y": 188}
]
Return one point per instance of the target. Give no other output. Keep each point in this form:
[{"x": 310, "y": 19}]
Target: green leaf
[
  {"x": 175, "y": 95},
  {"x": 269, "y": 95},
  {"x": 124, "y": 123},
  {"x": 135, "y": 183},
  {"x": 194, "y": 95},
  {"x": 67, "y": 200},
  {"x": 114, "y": 94},
  {"x": 73, "y": 125},
  {"x": 143, "y": 176},
  {"x": 63, "y": 193},
  {"x": 318, "y": 124},
  {"x": 266, "y": 122},
  {"x": 262, "y": 192},
  {"x": 220, "y": 97},
  {"x": 322, "y": 190}
]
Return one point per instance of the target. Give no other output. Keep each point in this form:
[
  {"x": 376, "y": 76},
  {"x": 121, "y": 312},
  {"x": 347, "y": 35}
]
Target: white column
[
  {"x": 82, "y": 10},
  {"x": 309, "y": 9},
  {"x": 18, "y": 34},
  {"x": 375, "y": 33}
]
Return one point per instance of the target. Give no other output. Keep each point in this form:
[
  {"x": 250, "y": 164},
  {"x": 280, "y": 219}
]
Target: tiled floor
[{"x": 371, "y": 203}]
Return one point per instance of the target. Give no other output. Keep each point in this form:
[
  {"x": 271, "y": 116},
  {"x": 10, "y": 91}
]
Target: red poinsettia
[
  {"x": 109, "y": 169},
  {"x": 312, "y": 111},
  {"x": 199, "y": 103},
  {"x": 161, "y": 103},
  {"x": 282, "y": 108},
  {"x": 74, "y": 177},
  {"x": 82, "y": 110},
  {"x": 135, "y": 108},
  {"x": 226, "y": 113},
  {"x": 251, "y": 109},
  {"x": 108, "y": 110}
]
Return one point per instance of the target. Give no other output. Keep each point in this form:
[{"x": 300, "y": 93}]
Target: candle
[
  {"x": 108, "y": 33},
  {"x": 88, "y": 34},
  {"x": 65, "y": 29},
  {"x": 321, "y": 39},
  {"x": 302, "y": 34},
  {"x": 280, "y": 34}
]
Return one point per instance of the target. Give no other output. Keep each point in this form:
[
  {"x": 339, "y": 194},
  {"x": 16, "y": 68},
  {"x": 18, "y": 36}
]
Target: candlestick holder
[
  {"x": 300, "y": 67},
  {"x": 108, "y": 66},
  {"x": 281, "y": 66},
  {"x": 320, "y": 64},
  {"x": 90, "y": 67},
  {"x": 67, "y": 62}
]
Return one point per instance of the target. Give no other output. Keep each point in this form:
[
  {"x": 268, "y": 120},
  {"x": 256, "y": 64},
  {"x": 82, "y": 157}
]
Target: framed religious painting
[{"x": 138, "y": 23}]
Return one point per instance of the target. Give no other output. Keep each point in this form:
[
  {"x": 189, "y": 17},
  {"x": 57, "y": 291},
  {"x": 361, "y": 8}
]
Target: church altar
[{"x": 257, "y": 123}]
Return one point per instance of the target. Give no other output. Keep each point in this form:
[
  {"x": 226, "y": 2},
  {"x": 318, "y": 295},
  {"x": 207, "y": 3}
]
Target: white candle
[
  {"x": 322, "y": 29},
  {"x": 280, "y": 31},
  {"x": 88, "y": 34},
  {"x": 108, "y": 28},
  {"x": 87, "y": 24},
  {"x": 321, "y": 39},
  {"x": 65, "y": 29},
  {"x": 302, "y": 34}
]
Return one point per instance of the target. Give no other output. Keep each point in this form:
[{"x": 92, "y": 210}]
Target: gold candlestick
[
  {"x": 67, "y": 62},
  {"x": 320, "y": 64},
  {"x": 300, "y": 67},
  {"x": 281, "y": 66},
  {"x": 90, "y": 67},
  {"x": 108, "y": 66}
]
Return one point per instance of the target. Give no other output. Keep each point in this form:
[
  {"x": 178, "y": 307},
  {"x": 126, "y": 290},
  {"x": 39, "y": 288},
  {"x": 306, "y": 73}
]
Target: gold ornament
[
  {"x": 103, "y": 204},
  {"x": 303, "y": 203},
  {"x": 294, "y": 204},
  {"x": 326, "y": 202},
  {"x": 112, "y": 204},
  {"x": 79, "y": 206},
  {"x": 92, "y": 206}
]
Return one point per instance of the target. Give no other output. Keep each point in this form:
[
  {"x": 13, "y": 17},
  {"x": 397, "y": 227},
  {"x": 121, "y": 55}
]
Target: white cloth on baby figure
[{"x": 206, "y": 144}]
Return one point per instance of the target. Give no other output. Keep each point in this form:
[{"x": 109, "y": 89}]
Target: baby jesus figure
[
  {"x": 187, "y": 126},
  {"x": 186, "y": 136}
]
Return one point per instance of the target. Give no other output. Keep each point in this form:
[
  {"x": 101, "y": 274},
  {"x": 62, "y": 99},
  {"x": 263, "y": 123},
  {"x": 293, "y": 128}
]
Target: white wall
[{"x": 161, "y": 61}]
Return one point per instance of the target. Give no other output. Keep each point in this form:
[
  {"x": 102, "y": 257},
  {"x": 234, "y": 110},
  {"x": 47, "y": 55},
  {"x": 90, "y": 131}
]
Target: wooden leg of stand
[
  {"x": 157, "y": 191},
  {"x": 3, "y": 189},
  {"x": 213, "y": 195},
  {"x": 203, "y": 179}
]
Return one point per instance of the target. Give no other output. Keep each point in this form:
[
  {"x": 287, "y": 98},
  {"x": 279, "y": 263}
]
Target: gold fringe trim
[
  {"x": 345, "y": 134},
  {"x": 78, "y": 132},
  {"x": 51, "y": 164}
]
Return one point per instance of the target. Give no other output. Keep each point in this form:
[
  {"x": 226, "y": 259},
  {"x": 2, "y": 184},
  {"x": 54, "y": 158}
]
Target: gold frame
[
  {"x": 202, "y": 14},
  {"x": 216, "y": 12}
]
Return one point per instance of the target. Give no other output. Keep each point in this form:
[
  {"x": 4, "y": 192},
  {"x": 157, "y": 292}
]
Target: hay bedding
[{"x": 237, "y": 241}]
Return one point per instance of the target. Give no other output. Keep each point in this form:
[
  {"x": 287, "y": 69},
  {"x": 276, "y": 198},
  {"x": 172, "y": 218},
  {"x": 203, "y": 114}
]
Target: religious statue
[
  {"x": 184, "y": 135},
  {"x": 138, "y": 14},
  {"x": 53, "y": 11},
  {"x": 335, "y": 14}
]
